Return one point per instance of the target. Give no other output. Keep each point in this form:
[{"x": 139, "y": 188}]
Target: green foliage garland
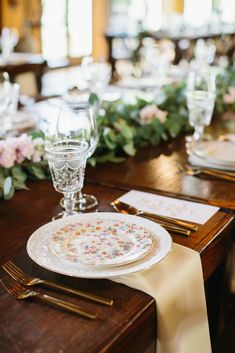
[{"x": 121, "y": 132}]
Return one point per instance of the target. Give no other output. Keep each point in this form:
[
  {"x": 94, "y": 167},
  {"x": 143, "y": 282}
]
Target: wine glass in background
[
  {"x": 9, "y": 38},
  {"x": 96, "y": 75},
  {"x": 67, "y": 160},
  {"x": 78, "y": 122},
  {"x": 200, "y": 96},
  {"x": 204, "y": 52},
  {"x": 5, "y": 93}
]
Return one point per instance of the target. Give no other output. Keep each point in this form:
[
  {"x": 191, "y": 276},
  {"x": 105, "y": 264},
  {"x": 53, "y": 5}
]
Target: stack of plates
[
  {"x": 24, "y": 121},
  {"x": 99, "y": 245},
  {"x": 215, "y": 154}
]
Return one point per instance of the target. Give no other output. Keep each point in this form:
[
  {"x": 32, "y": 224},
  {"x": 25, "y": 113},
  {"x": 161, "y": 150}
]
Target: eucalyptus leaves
[{"x": 126, "y": 127}]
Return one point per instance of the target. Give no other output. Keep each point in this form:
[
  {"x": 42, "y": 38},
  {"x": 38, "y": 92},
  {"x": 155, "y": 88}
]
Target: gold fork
[
  {"x": 193, "y": 170},
  {"x": 22, "y": 277},
  {"x": 20, "y": 292}
]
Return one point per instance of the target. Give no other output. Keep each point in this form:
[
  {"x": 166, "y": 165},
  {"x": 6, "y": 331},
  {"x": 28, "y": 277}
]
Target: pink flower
[
  {"x": 25, "y": 148},
  {"x": 8, "y": 153},
  {"x": 15, "y": 150},
  {"x": 229, "y": 98},
  {"x": 151, "y": 112}
]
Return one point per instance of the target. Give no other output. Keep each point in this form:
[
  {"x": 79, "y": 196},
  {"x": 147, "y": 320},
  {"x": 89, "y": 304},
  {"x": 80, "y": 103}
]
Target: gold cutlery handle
[
  {"x": 217, "y": 174},
  {"x": 220, "y": 172},
  {"x": 62, "y": 304},
  {"x": 178, "y": 222},
  {"x": 92, "y": 297},
  {"x": 171, "y": 227},
  {"x": 175, "y": 229}
]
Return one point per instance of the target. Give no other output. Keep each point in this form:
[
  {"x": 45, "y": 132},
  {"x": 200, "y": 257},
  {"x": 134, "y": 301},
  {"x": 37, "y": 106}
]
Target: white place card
[{"x": 169, "y": 206}]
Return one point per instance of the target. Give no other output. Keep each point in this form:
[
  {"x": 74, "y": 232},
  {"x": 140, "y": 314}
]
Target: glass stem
[
  {"x": 198, "y": 133},
  {"x": 80, "y": 195},
  {"x": 69, "y": 202}
]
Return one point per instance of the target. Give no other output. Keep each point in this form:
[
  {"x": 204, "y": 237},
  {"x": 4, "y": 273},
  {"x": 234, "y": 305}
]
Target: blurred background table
[
  {"x": 183, "y": 42},
  {"x": 27, "y": 69}
]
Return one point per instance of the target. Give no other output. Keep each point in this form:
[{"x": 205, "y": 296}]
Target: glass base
[
  {"x": 64, "y": 214},
  {"x": 86, "y": 202}
]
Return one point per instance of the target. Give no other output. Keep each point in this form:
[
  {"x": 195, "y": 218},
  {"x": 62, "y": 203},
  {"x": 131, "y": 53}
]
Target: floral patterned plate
[
  {"x": 100, "y": 242},
  {"x": 135, "y": 244}
]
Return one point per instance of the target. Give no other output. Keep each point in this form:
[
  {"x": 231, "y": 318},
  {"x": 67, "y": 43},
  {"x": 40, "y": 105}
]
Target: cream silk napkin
[{"x": 177, "y": 285}]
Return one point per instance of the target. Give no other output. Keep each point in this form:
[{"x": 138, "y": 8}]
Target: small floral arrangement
[
  {"x": 16, "y": 150},
  {"x": 21, "y": 157}
]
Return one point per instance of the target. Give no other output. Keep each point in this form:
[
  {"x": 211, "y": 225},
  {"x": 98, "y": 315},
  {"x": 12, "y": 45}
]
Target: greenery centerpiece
[{"x": 124, "y": 127}]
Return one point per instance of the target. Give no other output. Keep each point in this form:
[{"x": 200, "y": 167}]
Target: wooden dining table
[{"x": 131, "y": 323}]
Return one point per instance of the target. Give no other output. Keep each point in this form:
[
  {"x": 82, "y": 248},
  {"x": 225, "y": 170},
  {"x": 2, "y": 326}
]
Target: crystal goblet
[
  {"x": 200, "y": 96},
  {"x": 67, "y": 161},
  {"x": 79, "y": 121},
  {"x": 200, "y": 106}
]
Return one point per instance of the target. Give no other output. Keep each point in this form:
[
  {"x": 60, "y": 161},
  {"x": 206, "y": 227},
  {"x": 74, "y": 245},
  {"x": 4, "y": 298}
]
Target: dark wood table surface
[
  {"x": 31, "y": 326},
  {"x": 131, "y": 322}
]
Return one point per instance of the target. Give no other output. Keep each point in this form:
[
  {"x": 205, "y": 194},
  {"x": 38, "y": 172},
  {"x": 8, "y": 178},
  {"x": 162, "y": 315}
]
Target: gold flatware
[
  {"x": 22, "y": 277},
  {"x": 172, "y": 228},
  {"x": 20, "y": 292},
  {"x": 191, "y": 170},
  {"x": 124, "y": 208}
]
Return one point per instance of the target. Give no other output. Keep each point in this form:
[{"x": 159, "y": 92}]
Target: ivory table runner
[{"x": 177, "y": 285}]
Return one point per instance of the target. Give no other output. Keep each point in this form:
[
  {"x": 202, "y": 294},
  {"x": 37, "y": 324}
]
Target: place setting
[
  {"x": 103, "y": 244},
  {"x": 94, "y": 244},
  {"x": 206, "y": 156},
  {"x": 214, "y": 158}
]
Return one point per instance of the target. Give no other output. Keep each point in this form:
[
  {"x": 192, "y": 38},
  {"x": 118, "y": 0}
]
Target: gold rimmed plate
[{"x": 156, "y": 246}]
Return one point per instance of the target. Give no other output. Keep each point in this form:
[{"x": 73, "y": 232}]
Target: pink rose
[
  {"x": 8, "y": 153},
  {"x": 229, "y": 98},
  {"x": 151, "y": 112},
  {"x": 25, "y": 148},
  {"x": 15, "y": 150}
]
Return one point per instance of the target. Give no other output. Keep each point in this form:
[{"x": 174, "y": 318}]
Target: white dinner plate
[
  {"x": 217, "y": 152},
  {"x": 24, "y": 120},
  {"x": 144, "y": 244}
]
